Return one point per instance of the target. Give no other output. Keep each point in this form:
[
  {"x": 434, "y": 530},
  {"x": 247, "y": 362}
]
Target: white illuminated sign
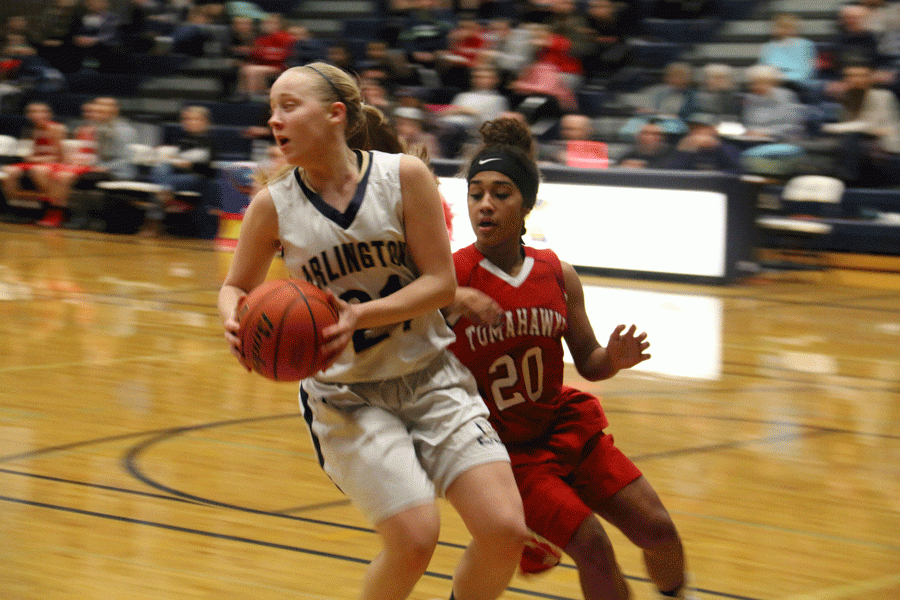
[
  {"x": 684, "y": 331},
  {"x": 637, "y": 229}
]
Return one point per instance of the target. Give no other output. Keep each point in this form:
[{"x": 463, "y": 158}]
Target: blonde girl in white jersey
[{"x": 396, "y": 420}]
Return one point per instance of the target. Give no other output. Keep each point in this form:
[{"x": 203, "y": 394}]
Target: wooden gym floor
[{"x": 138, "y": 460}]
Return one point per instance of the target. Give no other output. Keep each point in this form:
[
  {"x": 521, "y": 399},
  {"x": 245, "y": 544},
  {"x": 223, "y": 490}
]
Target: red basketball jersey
[{"x": 518, "y": 363}]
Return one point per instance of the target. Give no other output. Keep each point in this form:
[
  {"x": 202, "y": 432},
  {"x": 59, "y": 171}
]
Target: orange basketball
[{"x": 281, "y": 324}]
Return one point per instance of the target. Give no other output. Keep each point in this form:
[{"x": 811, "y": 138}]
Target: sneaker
[
  {"x": 539, "y": 555},
  {"x": 52, "y": 218},
  {"x": 685, "y": 593}
]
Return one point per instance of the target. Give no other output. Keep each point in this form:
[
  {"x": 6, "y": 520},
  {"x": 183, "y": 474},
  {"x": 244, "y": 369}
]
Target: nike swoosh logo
[{"x": 487, "y": 160}]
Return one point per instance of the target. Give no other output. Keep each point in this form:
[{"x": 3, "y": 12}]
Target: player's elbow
[{"x": 445, "y": 290}]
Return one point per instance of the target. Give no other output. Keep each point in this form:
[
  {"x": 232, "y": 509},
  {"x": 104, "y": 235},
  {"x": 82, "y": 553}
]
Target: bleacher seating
[
  {"x": 363, "y": 29},
  {"x": 241, "y": 114},
  {"x": 679, "y": 31}
]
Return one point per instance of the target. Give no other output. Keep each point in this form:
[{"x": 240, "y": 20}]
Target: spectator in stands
[
  {"x": 399, "y": 72},
  {"x": 795, "y": 56},
  {"x": 56, "y": 29},
  {"x": 374, "y": 93},
  {"x": 609, "y": 27},
  {"x": 242, "y": 34},
  {"x": 468, "y": 110},
  {"x": 702, "y": 149},
  {"x": 410, "y": 125},
  {"x": 510, "y": 48},
  {"x": 45, "y": 136},
  {"x": 101, "y": 151},
  {"x": 115, "y": 135},
  {"x": 17, "y": 40},
  {"x": 853, "y": 43},
  {"x": 572, "y": 127},
  {"x": 96, "y": 36},
  {"x": 136, "y": 33},
  {"x": 569, "y": 21},
  {"x": 340, "y": 55},
  {"x": 668, "y": 103},
  {"x": 121, "y": 131},
  {"x": 482, "y": 103},
  {"x": 554, "y": 73},
  {"x": 307, "y": 48},
  {"x": 770, "y": 111},
  {"x": 424, "y": 32},
  {"x": 465, "y": 43},
  {"x": 719, "y": 93},
  {"x": 16, "y": 54},
  {"x": 869, "y": 128},
  {"x": 267, "y": 59},
  {"x": 556, "y": 49},
  {"x": 884, "y": 21},
  {"x": 650, "y": 149},
  {"x": 79, "y": 159},
  {"x": 217, "y": 12},
  {"x": 188, "y": 167},
  {"x": 191, "y": 37}
]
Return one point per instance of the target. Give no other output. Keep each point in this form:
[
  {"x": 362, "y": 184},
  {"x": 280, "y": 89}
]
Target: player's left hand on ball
[
  {"x": 625, "y": 350},
  {"x": 337, "y": 336}
]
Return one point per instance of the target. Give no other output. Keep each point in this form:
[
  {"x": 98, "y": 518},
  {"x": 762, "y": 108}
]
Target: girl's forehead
[
  {"x": 490, "y": 178},
  {"x": 297, "y": 83}
]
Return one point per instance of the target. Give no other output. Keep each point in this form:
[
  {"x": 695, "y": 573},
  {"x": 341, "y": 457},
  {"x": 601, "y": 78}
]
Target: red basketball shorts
[{"x": 562, "y": 476}]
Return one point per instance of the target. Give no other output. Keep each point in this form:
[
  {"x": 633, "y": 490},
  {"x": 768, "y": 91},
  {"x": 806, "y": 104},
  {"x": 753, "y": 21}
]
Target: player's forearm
[
  {"x": 597, "y": 366},
  {"x": 229, "y": 296},
  {"x": 425, "y": 294}
]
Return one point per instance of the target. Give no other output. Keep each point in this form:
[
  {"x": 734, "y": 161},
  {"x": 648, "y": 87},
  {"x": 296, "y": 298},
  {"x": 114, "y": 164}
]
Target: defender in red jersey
[{"x": 513, "y": 307}]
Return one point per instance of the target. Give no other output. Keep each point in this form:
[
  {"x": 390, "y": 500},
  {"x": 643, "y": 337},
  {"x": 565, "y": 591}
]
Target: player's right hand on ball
[{"x": 234, "y": 342}]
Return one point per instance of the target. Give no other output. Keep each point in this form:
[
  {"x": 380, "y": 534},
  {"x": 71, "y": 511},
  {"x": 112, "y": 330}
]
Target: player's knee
[
  {"x": 412, "y": 543},
  {"x": 416, "y": 552},
  {"x": 591, "y": 544},
  {"x": 506, "y": 533},
  {"x": 658, "y": 533}
]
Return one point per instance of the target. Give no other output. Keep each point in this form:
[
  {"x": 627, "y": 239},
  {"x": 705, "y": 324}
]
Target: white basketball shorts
[{"x": 391, "y": 445}]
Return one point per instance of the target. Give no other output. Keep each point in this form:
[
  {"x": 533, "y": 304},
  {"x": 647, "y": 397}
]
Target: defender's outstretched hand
[{"x": 624, "y": 350}]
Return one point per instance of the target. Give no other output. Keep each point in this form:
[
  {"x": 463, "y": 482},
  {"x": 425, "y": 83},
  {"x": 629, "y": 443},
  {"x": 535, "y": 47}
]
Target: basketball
[{"x": 281, "y": 324}]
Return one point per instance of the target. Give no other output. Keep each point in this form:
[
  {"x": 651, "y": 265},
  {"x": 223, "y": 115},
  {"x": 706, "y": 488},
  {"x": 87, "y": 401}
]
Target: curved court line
[
  {"x": 98, "y": 486},
  {"x": 139, "y": 434}
]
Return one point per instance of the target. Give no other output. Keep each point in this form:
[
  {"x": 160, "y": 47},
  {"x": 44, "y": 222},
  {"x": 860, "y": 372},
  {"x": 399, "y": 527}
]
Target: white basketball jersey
[{"x": 359, "y": 255}]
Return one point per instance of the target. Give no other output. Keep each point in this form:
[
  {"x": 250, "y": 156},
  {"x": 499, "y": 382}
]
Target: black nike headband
[{"x": 512, "y": 164}]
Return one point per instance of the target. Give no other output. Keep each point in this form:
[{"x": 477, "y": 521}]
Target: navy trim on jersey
[{"x": 343, "y": 219}]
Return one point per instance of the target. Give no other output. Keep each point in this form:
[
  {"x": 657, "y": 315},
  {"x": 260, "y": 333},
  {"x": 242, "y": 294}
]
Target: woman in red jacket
[{"x": 267, "y": 57}]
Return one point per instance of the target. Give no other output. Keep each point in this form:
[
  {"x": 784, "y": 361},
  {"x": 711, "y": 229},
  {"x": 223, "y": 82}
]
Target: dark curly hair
[{"x": 509, "y": 141}]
